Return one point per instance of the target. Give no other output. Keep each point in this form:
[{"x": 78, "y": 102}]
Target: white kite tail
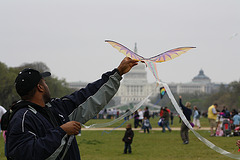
[
  {"x": 204, "y": 140},
  {"x": 136, "y": 107}
]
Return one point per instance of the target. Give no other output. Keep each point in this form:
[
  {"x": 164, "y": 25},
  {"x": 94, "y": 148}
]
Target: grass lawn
[
  {"x": 153, "y": 146},
  {"x": 96, "y": 145}
]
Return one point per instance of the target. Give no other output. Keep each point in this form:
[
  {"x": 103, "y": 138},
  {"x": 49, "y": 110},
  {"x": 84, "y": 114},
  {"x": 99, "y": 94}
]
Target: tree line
[
  {"x": 8, "y": 94},
  {"x": 227, "y": 95}
]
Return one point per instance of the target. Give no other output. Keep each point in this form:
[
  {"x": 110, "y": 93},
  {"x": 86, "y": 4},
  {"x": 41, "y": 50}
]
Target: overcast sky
[{"x": 68, "y": 36}]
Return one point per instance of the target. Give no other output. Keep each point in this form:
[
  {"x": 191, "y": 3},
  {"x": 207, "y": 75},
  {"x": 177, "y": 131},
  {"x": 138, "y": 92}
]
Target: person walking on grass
[
  {"x": 165, "y": 117},
  {"x": 196, "y": 117},
  {"x": 136, "y": 119},
  {"x": 128, "y": 138},
  {"x": 140, "y": 119},
  {"x": 212, "y": 117},
  {"x": 187, "y": 112}
]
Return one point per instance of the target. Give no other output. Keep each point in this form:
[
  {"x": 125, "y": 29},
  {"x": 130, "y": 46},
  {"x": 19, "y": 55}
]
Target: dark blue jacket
[
  {"x": 34, "y": 132},
  {"x": 186, "y": 111}
]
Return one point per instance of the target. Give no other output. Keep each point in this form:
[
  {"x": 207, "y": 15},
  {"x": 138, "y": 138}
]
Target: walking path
[{"x": 138, "y": 129}]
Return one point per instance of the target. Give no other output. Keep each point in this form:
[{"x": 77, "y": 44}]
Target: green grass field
[
  {"x": 153, "y": 146},
  {"x": 96, "y": 145}
]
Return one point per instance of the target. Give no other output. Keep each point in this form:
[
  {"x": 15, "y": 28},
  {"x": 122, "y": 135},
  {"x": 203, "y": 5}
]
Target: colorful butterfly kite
[
  {"x": 166, "y": 56},
  {"x": 150, "y": 62}
]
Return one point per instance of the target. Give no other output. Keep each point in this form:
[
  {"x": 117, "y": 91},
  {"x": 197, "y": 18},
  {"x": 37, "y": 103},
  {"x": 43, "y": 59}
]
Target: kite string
[{"x": 114, "y": 128}]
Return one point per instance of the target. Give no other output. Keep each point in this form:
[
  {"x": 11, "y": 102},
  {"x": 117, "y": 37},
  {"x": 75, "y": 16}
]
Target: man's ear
[{"x": 40, "y": 87}]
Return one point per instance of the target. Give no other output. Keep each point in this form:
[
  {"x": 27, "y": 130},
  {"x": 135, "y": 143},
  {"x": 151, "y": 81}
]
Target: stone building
[{"x": 200, "y": 84}]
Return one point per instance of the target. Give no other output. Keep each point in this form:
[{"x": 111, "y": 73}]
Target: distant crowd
[{"x": 223, "y": 122}]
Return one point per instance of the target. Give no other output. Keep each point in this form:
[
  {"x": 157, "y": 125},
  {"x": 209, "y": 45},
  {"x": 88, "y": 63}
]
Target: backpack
[
  {"x": 5, "y": 119},
  {"x": 160, "y": 122},
  {"x": 7, "y": 116}
]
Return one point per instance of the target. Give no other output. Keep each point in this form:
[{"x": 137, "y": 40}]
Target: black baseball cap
[{"x": 27, "y": 79}]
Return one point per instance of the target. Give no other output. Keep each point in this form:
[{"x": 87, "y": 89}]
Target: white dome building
[
  {"x": 201, "y": 78},
  {"x": 135, "y": 87}
]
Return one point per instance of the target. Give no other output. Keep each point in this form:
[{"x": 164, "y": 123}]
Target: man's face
[{"x": 46, "y": 94}]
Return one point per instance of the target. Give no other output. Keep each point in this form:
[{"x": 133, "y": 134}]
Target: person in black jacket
[
  {"x": 45, "y": 128},
  {"x": 146, "y": 113},
  {"x": 187, "y": 112},
  {"x": 128, "y": 138},
  {"x": 136, "y": 119}
]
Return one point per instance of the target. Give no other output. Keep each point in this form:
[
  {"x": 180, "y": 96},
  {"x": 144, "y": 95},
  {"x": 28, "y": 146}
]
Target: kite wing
[
  {"x": 169, "y": 55},
  {"x": 127, "y": 52}
]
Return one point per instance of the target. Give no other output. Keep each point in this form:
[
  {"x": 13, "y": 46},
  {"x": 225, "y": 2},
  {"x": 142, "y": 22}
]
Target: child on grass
[
  {"x": 128, "y": 138},
  {"x": 146, "y": 124}
]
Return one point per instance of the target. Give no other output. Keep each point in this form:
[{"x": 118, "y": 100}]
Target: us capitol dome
[{"x": 201, "y": 78}]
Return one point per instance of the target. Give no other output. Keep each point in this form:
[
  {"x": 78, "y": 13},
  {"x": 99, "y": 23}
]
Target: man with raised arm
[{"x": 40, "y": 126}]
